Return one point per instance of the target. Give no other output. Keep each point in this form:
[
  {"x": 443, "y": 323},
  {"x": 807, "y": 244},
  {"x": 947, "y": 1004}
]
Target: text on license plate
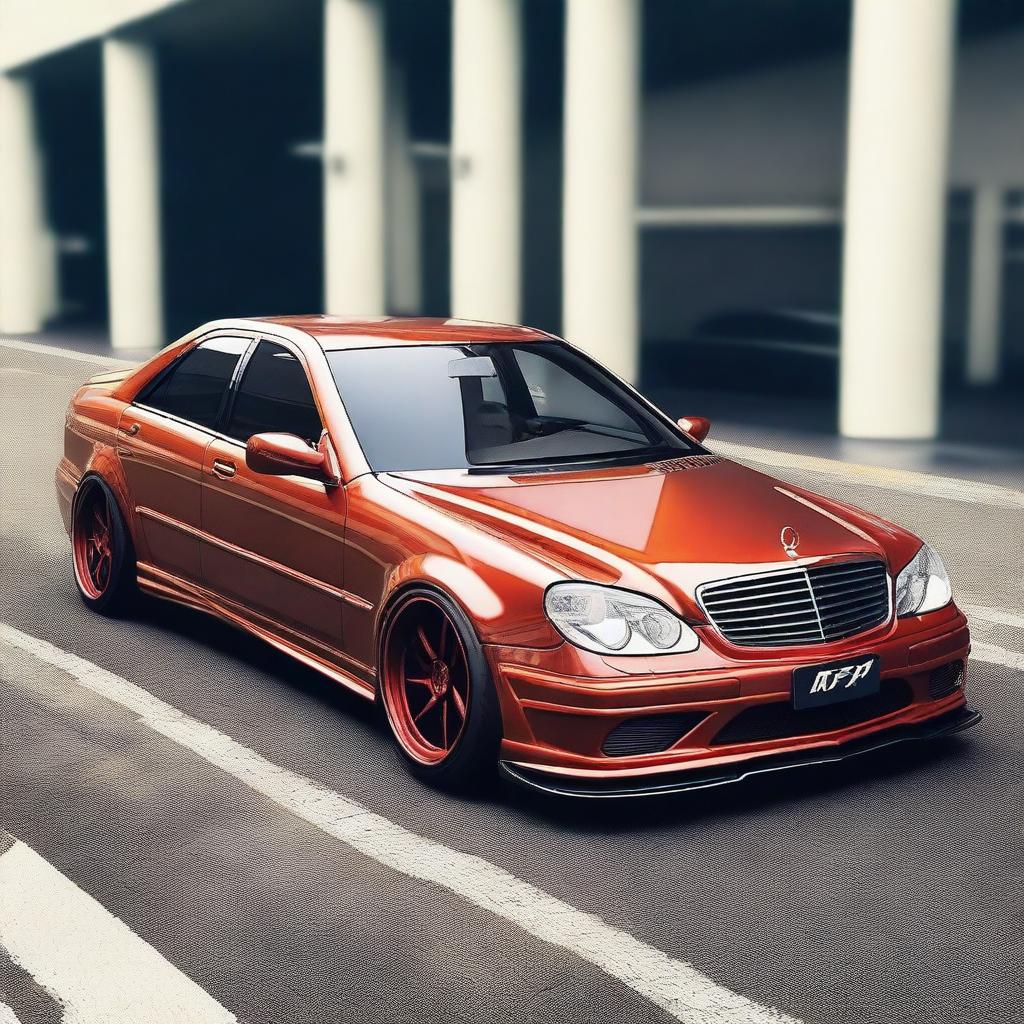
[{"x": 836, "y": 681}]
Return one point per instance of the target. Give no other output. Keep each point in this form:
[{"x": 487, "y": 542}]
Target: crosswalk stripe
[
  {"x": 677, "y": 987},
  {"x": 86, "y": 959}
]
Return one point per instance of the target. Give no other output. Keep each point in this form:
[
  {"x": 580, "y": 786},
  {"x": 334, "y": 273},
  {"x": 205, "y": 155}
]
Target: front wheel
[
  {"x": 103, "y": 554},
  {"x": 437, "y": 691}
]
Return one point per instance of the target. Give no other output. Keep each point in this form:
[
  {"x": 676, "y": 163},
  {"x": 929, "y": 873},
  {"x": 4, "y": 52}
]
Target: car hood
[{"x": 665, "y": 526}]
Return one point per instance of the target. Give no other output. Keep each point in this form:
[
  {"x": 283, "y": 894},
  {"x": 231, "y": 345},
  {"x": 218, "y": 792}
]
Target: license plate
[{"x": 836, "y": 681}]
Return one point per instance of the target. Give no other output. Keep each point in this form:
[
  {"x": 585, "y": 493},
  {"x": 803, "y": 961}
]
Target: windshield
[{"x": 491, "y": 407}]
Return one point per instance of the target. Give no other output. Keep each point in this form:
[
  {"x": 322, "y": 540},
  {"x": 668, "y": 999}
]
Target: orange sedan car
[{"x": 524, "y": 561}]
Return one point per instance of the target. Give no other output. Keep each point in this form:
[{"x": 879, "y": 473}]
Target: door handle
[
  {"x": 224, "y": 468},
  {"x": 132, "y": 430}
]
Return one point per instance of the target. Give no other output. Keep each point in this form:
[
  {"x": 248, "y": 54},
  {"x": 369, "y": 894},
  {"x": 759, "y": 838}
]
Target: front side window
[
  {"x": 195, "y": 386},
  {"x": 274, "y": 397},
  {"x": 492, "y": 407}
]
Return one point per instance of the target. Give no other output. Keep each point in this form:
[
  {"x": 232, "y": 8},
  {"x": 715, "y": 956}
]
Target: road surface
[{"x": 194, "y": 828}]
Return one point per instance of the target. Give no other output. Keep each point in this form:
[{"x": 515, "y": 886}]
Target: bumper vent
[
  {"x": 944, "y": 680},
  {"x": 649, "y": 734},
  {"x": 799, "y": 605},
  {"x": 778, "y": 720}
]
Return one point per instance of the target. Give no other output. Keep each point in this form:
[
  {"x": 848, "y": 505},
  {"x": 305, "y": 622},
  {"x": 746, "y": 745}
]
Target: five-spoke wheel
[
  {"x": 426, "y": 682},
  {"x": 436, "y": 688},
  {"x": 93, "y": 543},
  {"x": 102, "y": 550}
]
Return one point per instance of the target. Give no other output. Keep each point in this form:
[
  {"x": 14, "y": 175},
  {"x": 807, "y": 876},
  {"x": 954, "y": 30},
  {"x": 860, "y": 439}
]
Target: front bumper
[
  {"x": 958, "y": 720},
  {"x": 562, "y": 707}
]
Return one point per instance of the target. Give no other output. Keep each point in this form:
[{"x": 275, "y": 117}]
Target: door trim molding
[
  {"x": 267, "y": 563},
  {"x": 173, "y": 588}
]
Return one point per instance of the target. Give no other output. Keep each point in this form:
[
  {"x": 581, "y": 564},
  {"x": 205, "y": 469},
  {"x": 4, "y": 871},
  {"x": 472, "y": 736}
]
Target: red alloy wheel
[
  {"x": 426, "y": 681},
  {"x": 93, "y": 543}
]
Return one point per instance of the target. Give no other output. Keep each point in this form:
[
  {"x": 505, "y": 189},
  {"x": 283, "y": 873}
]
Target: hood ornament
[{"x": 790, "y": 539}]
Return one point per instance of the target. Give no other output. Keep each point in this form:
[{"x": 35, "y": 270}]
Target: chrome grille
[{"x": 816, "y": 604}]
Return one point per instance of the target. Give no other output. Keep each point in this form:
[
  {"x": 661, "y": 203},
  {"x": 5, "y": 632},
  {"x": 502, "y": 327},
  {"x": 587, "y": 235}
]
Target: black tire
[
  {"x": 471, "y": 763},
  {"x": 117, "y": 588}
]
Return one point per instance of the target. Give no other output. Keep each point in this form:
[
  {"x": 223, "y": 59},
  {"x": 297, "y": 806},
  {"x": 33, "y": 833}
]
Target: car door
[
  {"x": 272, "y": 545},
  {"x": 162, "y": 441}
]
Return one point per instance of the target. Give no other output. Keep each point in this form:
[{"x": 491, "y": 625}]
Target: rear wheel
[
  {"x": 103, "y": 555},
  {"x": 437, "y": 691}
]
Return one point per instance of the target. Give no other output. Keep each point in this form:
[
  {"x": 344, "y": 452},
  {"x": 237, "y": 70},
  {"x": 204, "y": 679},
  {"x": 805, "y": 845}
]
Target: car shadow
[{"x": 234, "y": 642}]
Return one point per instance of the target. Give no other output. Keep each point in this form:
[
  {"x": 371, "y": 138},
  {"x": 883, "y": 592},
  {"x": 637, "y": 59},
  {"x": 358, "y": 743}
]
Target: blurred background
[{"x": 798, "y": 215}]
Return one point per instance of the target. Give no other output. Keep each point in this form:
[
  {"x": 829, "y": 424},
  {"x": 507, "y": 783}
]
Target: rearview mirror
[
  {"x": 696, "y": 426},
  {"x": 287, "y": 455}
]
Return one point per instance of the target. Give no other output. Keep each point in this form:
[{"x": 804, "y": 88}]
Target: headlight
[
  {"x": 923, "y": 585},
  {"x": 611, "y": 621}
]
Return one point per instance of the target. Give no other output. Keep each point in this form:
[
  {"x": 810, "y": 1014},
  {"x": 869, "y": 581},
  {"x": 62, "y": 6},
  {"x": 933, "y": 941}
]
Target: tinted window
[
  {"x": 195, "y": 385},
  {"x": 415, "y": 407},
  {"x": 274, "y": 397}
]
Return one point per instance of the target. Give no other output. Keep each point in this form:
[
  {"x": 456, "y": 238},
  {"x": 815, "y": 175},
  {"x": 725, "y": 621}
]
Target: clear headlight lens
[
  {"x": 611, "y": 621},
  {"x": 923, "y": 585}
]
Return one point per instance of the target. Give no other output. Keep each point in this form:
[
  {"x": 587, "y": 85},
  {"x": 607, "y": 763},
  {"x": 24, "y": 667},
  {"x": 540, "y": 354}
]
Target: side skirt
[{"x": 172, "y": 588}]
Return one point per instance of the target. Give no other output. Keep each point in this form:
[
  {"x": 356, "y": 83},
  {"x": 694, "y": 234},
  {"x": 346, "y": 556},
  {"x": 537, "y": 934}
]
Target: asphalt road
[{"x": 139, "y": 862}]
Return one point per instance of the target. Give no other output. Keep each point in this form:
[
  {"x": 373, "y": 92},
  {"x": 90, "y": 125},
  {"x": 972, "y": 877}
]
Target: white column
[
  {"x": 486, "y": 236},
  {"x": 404, "y": 228},
  {"x": 898, "y": 125},
  {"x": 354, "y": 179},
  {"x": 132, "y": 154},
  {"x": 599, "y": 274},
  {"x": 22, "y": 226},
  {"x": 984, "y": 316}
]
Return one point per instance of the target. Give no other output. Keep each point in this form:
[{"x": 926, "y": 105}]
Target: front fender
[{"x": 517, "y": 619}]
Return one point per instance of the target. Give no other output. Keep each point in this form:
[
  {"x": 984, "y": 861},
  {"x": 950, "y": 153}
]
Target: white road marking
[
  {"x": 677, "y": 987},
  {"x": 982, "y": 650},
  {"x": 903, "y": 480},
  {"x": 66, "y": 353},
  {"x": 90, "y": 962},
  {"x": 998, "y": 616},
  {"x": 985, "y": 650},
  {"x": 7, "y": 1015}
]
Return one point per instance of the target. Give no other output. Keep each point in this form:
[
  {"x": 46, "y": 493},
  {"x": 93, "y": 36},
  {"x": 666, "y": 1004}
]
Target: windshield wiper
[{"x": 635, "y": 456}]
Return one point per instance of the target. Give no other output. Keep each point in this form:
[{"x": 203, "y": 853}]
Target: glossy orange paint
[{"x": 312, "y": 566}]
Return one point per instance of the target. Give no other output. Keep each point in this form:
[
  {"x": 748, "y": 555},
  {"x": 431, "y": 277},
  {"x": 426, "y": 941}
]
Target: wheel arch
[
  {"x": 391, "y": 605},
  {"x": 93, "y": 474}
]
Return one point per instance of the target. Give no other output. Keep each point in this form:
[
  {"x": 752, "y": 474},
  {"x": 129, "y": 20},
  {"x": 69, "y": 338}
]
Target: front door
[
  {"x": 272, "y": 545},
  {"x": 162, "y": 441}
]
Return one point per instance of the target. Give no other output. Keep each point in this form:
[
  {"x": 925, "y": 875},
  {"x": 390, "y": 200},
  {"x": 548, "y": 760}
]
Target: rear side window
[
  {"x": 195, "y": 386},
  {"x": 274, "y": 396}
]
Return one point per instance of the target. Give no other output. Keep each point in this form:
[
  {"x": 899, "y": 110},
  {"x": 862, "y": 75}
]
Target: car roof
[{"x": 339, "y": 332}]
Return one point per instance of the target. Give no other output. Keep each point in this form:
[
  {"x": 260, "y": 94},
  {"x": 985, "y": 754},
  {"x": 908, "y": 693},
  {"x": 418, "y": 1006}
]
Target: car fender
[{"x": 493, "y": 619}]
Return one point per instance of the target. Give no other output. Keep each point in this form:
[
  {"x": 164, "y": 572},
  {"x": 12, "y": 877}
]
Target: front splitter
[{"x": 687, "y": 780}]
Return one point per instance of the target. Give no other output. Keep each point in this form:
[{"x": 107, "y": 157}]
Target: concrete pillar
[
  {"x": 132, "y": 159},
  {"x": 898, "y": 124},
  {"x": 486, "y": 238},
  {"x": 599, "y": 275},
  {"x": 354, "y": 178},
  {"x": 404, "y": 214},
  {"x": 984, "y": 317},
  {"x": 22, "y": 224}
]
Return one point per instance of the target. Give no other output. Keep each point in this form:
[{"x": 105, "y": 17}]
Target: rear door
[
  {"x": 273, "y": 544},
  {"x": 162, "y": 440}
]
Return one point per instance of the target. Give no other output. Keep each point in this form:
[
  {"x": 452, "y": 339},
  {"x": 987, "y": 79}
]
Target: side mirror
[
  {"x": 288, "y": 455},
  {"x": 696, "y": 426}
]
